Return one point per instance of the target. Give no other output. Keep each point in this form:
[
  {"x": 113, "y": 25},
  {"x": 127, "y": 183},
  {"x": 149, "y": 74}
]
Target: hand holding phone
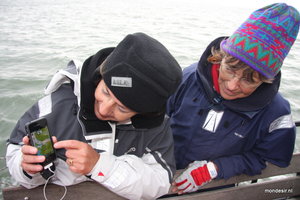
[
  {"x": 30, "y": 160},
  {"x": 40, "y": 137}
]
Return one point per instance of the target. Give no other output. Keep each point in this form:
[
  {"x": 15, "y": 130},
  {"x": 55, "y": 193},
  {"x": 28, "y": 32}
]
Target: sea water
[{"x": 39, "y": 37}]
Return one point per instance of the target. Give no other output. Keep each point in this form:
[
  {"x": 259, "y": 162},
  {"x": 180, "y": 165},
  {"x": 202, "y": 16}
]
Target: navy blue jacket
[{"x": 239, "y": 136}]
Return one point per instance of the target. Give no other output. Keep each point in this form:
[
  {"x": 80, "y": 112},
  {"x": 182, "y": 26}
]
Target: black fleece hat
[{"x": 141, "y": 73}]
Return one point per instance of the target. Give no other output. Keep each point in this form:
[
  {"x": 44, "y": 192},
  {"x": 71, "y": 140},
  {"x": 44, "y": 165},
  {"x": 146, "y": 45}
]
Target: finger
[
  {"x": 25, "y": 140},
  {"x": 72, "y": 153},
  {"x": 69, "y": 161},
  {"x": 78, "y": 168},
  {"x": 31, "y": 168},
  {"x": 180, "y": 192},
  {"x": 82, "y": 152},
  {"x": 54, "y": 139},
  {"x": 183, "y": 186},
  {"x": 73, "y": 166},
  {"x": 30, "y": 163},
  {"x": 75, "y": 169},
  {"x": 179, "y": 182},
  {"x": 189, "y": 188},
  {"x": 174, "y": 189},
  {"x": 33, "y": 159},
  {"x": 29, "y": 150},
  {"x": 68, "y": 144}
]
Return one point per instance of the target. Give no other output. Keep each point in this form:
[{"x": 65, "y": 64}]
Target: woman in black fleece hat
[{"x": 109, "y": 122}]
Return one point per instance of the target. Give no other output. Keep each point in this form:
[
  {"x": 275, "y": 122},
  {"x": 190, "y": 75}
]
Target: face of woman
[
  {"x": 233, "y": 84},
  {"x": 108, "y": 107}
]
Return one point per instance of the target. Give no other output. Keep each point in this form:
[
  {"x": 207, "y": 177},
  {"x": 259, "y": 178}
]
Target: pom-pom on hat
[
  {"x": 141, "y": 73},
  {"x": 265, "y": 38}
]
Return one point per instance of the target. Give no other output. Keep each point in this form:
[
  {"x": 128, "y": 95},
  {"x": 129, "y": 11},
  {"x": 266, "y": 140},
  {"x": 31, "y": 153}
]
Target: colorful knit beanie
[{"x": 265, "y": 38}]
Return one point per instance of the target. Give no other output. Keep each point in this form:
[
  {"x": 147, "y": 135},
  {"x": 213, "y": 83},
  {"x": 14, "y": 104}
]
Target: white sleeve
[
  {"x": 63, "y": 176},
  {"x": 132, "y": 177},
  {"x": 13, "y": 162}
]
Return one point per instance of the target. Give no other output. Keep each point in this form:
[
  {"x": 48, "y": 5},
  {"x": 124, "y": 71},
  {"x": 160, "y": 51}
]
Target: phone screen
[
  {"x": 42, "y": 141},
  {"x": 40, "y": 137}
]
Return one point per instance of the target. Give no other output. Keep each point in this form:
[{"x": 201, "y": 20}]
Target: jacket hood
[
  {"x": 261, "y": 97},
  {"x": 90, "y": 77}
]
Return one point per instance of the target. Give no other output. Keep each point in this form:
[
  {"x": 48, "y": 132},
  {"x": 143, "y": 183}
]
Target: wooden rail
[{"x": 287, "y": 185}]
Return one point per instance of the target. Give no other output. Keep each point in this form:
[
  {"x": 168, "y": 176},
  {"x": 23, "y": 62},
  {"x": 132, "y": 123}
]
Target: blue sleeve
[
  {"x": 276, "y": 147},
  {"x": 175, "y": 98}
]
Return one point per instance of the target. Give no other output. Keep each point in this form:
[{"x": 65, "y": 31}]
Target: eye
[
  {"x": 246, "y": 80},
  {"x": 249, "y": 81},
  {"x": 105, "y": 91},
  {"x": 123, "y": 109},
  {"x": 229, "y": 70}
]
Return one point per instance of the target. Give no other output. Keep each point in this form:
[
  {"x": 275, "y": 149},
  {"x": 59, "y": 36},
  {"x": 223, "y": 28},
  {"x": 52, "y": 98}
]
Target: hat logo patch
[{"x": 121, "y": 81}]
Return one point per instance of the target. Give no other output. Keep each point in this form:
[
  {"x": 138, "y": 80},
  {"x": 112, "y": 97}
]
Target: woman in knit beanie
[
  {"x": 109, "y": 120},
  {"x": 228, "y": 117}
]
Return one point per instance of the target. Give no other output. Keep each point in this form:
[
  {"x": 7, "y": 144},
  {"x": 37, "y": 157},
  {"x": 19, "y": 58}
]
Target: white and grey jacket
[{"x": 134, "y": 163}]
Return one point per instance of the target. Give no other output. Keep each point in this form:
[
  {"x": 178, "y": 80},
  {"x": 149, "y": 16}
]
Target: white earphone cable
[{"x": 44, "y": 189}]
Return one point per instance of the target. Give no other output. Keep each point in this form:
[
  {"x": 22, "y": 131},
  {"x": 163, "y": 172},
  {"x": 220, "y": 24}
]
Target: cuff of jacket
[
  {"x": 102, "y": 169},
  {"x": 220, "y": 169},
  {"x": 212, "y": 170}
]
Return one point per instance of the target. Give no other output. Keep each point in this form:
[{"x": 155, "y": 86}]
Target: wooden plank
[
  {"x": 272, "y": 189},
  {"x": 85, "y": 190},
  {"x": 90, "y": 190}
]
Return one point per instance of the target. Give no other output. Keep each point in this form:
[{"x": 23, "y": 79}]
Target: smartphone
[{"x": 40, "y": 137}]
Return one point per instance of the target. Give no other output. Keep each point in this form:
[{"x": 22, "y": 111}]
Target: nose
[
  {"x": 106, "y": 107},
  {"x": 233, "y": 84}
]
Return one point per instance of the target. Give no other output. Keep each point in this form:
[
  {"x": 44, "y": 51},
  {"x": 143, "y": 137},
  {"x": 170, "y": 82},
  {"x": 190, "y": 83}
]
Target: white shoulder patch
[
  {"x": 212, "y": 120},
  {"x": 45, "y": 105},
  {"x": 284, "y": 121}
]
